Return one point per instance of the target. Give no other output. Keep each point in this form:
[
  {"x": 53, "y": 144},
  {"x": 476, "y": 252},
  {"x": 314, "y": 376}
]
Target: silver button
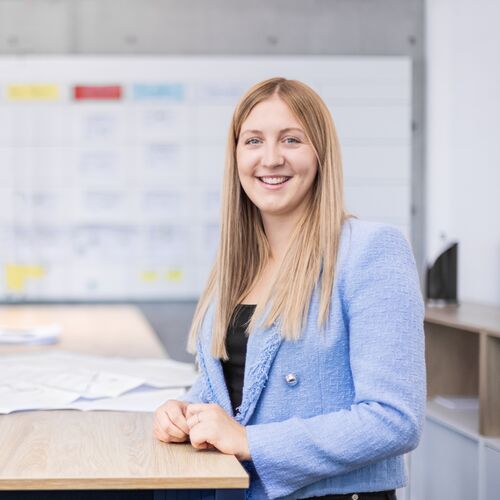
[
  {"x": 291, "y": 379},
  {"x": 355, "y": 497}
]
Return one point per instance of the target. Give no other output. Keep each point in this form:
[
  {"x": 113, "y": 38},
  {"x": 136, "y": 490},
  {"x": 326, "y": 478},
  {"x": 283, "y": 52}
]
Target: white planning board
[{"x": 111, "y": 167}]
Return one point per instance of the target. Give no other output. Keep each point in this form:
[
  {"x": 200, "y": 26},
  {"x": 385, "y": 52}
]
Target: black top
[{"x": 236, "y": 346}]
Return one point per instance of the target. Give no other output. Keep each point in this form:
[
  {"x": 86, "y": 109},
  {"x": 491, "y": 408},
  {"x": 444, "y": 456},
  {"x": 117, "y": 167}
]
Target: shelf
[
  {"x": 462, "y": 350},
  {"x": 493, "y": 443},
  {"x": 468, "y": 316},
  {"x": 465, "y": 422}
]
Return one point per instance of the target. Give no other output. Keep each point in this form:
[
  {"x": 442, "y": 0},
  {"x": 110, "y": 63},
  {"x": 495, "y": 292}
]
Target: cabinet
[
  {"x": 449, "y": 463},
  {"x": 459, "y": 454},
  {"x": 492, "y": 470}
]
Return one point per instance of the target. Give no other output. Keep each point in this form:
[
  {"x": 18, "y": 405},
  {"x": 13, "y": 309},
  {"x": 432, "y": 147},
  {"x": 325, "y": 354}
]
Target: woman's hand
[
  {"x": 169, "y": 422},
  {"x": 210, "y": 426}
]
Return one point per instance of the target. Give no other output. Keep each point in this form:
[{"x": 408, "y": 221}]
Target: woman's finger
[
  {"x": 161, "y": 434},
  {"x": 164, "y": 436},
  {"x": 164, "y": 422},
  {"x": 194, "y": 408},
  {"x": 175, "y": 432},
  {"x": 177, "y": 417},
  {"x": 197, "y": 439},
  {"x": 203, "y": 435},
  {"x": 193, "y": 420}
]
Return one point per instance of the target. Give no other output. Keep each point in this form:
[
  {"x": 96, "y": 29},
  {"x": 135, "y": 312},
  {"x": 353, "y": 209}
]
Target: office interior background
[{"x": 447, "y": 79}]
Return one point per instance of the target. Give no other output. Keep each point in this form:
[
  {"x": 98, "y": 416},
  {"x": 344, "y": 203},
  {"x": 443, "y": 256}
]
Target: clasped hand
[{"x": 205, "y": 425}]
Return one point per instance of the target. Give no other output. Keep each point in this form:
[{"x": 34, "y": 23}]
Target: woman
[{"x": 332, "y": 367}]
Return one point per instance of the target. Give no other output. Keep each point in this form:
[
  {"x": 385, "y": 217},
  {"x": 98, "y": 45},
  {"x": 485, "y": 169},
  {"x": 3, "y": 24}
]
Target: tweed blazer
[{"x": 334, "y": 411}]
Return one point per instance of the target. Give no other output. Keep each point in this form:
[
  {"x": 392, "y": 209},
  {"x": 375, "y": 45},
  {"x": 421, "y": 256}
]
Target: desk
[{"x": 97, "y": 451}]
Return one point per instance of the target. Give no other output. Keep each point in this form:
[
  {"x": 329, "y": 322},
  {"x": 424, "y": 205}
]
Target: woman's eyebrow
[{"x": 288, "y": 129}]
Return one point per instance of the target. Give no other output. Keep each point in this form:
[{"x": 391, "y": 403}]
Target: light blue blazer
[{"x": 334, "y": 411}]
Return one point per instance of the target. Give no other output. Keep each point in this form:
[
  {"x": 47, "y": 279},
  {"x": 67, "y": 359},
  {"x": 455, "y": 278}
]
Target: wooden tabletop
[
  {"x": 50, "y": 450},
  {"x": 468, "y": 316},
  {"x": 104, "y": 450},
  {"x": 114, "y": 330}
]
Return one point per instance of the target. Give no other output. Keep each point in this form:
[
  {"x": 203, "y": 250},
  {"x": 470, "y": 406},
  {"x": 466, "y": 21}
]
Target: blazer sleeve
[{"x": 383, "y": 303}]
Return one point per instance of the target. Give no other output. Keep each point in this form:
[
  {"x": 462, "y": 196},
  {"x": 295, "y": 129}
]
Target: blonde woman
[{"x": 309, "y": 334}]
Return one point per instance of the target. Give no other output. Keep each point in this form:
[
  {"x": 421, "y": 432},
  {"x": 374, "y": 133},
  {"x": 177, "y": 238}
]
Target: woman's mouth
[{"x": 274, "y": 180}]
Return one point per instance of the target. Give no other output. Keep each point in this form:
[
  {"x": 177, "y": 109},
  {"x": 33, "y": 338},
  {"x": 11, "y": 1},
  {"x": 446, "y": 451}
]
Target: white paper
[
  {"x": 17, "y": 396},
  {"x": 161, "y": 373},
  {"x": 89, "y": 384},
  {"x": 457, "y": 402},
  {"x": 46, "y": 334},
  {"x": 137, "y": 400},
  {"x": 57, "y": 378}
]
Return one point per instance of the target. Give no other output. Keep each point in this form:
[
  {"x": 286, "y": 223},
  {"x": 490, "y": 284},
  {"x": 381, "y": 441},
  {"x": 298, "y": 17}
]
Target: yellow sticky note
[
  {"x": 174, "y": 275},
  {"x": 149, "y": 276},
  {"x": 33, "y": 271},
  {"x": 32, "y": 92},
  {"x": 13, "y": 278},
  {"x": 17, "y": 274}
]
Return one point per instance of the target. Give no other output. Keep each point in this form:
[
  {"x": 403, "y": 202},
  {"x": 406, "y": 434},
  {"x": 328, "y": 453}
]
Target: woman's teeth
[{"x": 274, "y": 180}]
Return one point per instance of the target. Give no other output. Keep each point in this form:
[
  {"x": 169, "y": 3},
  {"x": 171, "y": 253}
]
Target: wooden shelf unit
[{"x": 463, "y": 357}]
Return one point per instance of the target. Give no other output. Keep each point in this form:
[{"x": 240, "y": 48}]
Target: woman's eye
[
  {"x": 251, "y": 141},
  {"x": 288, "y": 140}
]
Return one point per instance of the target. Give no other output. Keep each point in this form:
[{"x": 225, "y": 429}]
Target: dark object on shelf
[{"x": 441, "y": 286}]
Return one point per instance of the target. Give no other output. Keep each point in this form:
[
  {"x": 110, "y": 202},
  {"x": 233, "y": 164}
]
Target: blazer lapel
[
  {"x": 263, "y": 344},
  {"x": 215, "y": 384}
]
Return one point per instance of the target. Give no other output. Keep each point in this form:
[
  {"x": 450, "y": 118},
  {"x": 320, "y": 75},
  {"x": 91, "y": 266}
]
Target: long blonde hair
[{"x": 243, "y": 246}]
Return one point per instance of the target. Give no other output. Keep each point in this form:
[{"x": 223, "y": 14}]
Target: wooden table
[{"x": 96, "y": 451}]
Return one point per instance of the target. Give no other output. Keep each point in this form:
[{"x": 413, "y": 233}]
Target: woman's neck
[
  {"x": 279, "y": 231},
  {"x": 279, "y": 228}
]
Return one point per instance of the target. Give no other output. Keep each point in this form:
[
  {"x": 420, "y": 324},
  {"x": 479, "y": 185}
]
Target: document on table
[
  {"x": 43, "y": 334},
  {"x": 140, "y": 399},
  {"x": 16, "y": 396},
  {"x": 62, "y": 379}
]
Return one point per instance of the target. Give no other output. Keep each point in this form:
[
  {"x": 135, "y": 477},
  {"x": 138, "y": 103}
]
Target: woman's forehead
[{"x": 272, "y": 113}]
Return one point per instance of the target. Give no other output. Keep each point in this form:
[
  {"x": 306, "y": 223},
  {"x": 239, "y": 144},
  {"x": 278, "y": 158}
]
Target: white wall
[{"x": 463, "y": 154}]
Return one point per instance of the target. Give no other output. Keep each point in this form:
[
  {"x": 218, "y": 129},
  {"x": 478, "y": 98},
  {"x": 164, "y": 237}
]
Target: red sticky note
[{"x": 97, "y": 92}]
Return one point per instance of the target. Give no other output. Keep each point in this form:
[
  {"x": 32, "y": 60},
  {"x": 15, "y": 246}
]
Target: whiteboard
[{"x": 111, "y": 167}]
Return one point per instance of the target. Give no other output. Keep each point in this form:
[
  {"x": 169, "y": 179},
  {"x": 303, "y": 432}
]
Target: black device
[{"x": 441, "y": 286}]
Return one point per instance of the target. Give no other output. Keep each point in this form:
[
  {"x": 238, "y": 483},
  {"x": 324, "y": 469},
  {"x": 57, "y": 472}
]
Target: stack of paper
[
  {"x": 457, "y": 402},
  {"x": 45, "y": 334},
  {"x": 61, "y": 379}
]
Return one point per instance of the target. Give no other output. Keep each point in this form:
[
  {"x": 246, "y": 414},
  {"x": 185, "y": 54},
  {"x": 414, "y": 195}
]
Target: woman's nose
[{"x": 272, "y": 156}]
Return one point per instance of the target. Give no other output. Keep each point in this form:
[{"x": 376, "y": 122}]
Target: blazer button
[{"x": 291, "y": 379}]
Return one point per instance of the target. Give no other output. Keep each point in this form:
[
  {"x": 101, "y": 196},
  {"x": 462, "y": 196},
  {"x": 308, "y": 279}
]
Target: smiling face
[{"x": 276, "y": 163}]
